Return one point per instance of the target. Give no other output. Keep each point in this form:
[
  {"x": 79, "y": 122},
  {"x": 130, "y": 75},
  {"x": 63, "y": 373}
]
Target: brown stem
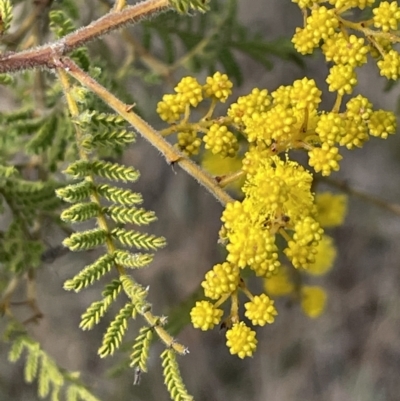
[{"x": 47, "y": 55}]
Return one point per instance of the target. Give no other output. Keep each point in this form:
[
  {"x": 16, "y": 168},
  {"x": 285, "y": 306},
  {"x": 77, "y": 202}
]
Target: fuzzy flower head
[
  {"x": 382, "y": 123},
  {"x": 170, "y": 108},
  {"x": 218, "y": 87},
  {"x": 280, "y": 186},
  {"x": 249, "y": 243},
  {"x": 205, "y": 316},
  {"x": 241, "y": 340},
  {"x": 189, "y": 91},
  {"x": 342, "y": 49},
  {"x": 331, "y": 209},
  {"x": 222, "y": 279},
  {"x": 219, "y": 140},
  {"x": 387, "y": 16},
  {"x": 258, "y": 101},
  {"x": 325, "y": 159},
  {"x": 313, "y": 301},
  {"x": 324, "y": 258},
  {"x": 304, "y": 94},
  {"x": 302, "y": 249},
  {"x": 260, "y": 310},
  {"x": 279, "y": 284}
]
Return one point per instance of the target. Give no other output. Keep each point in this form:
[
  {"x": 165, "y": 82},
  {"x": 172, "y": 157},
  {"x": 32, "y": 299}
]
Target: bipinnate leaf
[
  {"x": 172, "y": 377},
  {"x": 137, "y": 239},
  {"x": 90, "y": 273},
  {"x": 98, "y": 309},
  {"x": 115, "y": 332},
  {"x": 141, "y": 348},
  {"x": 86, "y": 240}
]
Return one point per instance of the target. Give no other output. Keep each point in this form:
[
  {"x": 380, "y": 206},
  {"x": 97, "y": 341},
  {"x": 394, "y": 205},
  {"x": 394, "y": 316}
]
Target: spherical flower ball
[
  {"x": 342, "y": 78},
  {"x": 222, "y": 279},
  {"x": 279, "y": 284},
  {"x": 241, "y": 340},
  {"x": 382, "y": 123},
  {"x": 386, "y": 16},
  {"x": 389, "y": 66},
  {"x": 218, "y": 86},
  {"x": 313, "y": 300},
  {"x": 170, "y": 108},
  {"x": 189, "y": 91},
  {"x": 324, "y": 258},
  {"x": 261, "y": 310},
  {"x": 205, "y": 316},
  {"x": 331, "y": 209}
]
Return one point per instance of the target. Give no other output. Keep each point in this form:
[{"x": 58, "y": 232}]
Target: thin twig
[
  {"x": 44, "y": 56},
  {"x": 171, "y": 154},
  {"x": 344, "y": 186}
]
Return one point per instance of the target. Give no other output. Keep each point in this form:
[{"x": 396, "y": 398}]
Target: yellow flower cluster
[
  {"x": 288, "y": 281},
  {"x": 205, "y": 316},
  {"x": 345, "y": 48},
  {"x": 241, "y": 340},
  {"x": 276, "y": 231}
]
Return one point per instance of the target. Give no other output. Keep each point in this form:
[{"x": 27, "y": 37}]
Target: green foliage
[
  {"x": 133, "y": 260},
  {"x": 62, "y": 25},
  {"x": 98, "y": 309},
  {"x": 90, "y": 273},
  {"x": 6, "y": 15},
  {"x": 141, "y": 348},
  {"x": 183, "y": 6},
  {"x": 173, "y": 378},
  {"x": 51, "y": 379},
  {"x": 59, "y": 124},
  {"x": 211, "y": 40},
  {"x": 116, "y": 330},
  {"x": 112, "y": 171},
  {"x": 86, "y": 240}
]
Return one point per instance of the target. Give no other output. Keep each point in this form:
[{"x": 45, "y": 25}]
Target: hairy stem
[
  {"x": 47, "y": 55},
  {"x": 171, "y": 154}
]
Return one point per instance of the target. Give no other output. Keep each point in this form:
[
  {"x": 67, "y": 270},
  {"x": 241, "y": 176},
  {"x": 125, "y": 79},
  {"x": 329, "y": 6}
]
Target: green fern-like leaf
[
  {"x": 6, "y": 15},
  {"x": 39, "y": 365},
  {"x": 134, "y": 291},
  {"x": 115, "y": 171},
  {"x": 79, "y": 393},
  {"x": 29, "y": 199},
  {"x": 172, "y": 377},
  {"x": 133, "y": 260},
  {"x": 90, "y": 273},
  {"x": 32, "y": 363},
  {"x": 86, "y": 240},
  {"x": 19, "y": 253},
  {"x": 183, "y": 6},
  {"x": 98, "y": 309},
  {"x": 75, "y": 192},
  {"x": 115, "y": 332},
  {"x": 80, "y": 212},
  {"x": 60, "y": 24},
  {"x": 118, "y": 195},
  {"x": 113, "y": 138},
  {"x": 44, "y": 137},
  {"x": 141, "y": 348},
  {"x": 16, "y": 349},
  {"x": 44, "y": 381},
  {"x": 138, "y": 240},
  {"x": 121, "y": 214},
  {"x": 112, "y": 171}
]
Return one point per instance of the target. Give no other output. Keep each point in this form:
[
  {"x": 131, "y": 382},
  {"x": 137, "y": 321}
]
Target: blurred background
[{"x": 352, "y": 352}]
